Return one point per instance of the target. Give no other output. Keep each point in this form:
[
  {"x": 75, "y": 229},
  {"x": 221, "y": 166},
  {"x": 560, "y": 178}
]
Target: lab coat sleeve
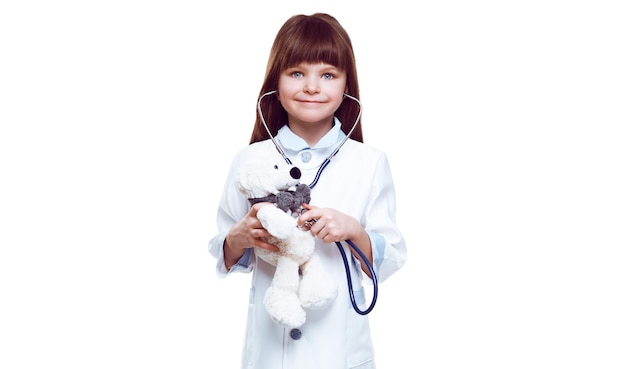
[
  {"x": 388, "y": 246},
  {"x": 232, "y": 207}
]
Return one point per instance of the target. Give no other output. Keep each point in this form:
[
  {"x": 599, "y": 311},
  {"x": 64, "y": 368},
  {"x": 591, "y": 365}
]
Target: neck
[{"x": 311, "y": 133}]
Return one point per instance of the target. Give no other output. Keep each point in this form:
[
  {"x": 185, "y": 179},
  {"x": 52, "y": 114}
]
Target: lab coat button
[
  {"x": 295, "y": 334},
  {"x": 306, "y": 156}
]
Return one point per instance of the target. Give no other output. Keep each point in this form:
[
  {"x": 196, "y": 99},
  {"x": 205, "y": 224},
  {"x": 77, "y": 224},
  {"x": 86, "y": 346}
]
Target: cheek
[
  {"x": 286, "y": 85},
  {"x": 284, "y": 92},
  {"x": 338, "y": 91},
  {"x": 338, "y": 98}
]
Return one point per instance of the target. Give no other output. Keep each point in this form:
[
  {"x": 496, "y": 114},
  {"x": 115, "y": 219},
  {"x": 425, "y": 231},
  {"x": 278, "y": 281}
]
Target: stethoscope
[{"x": 312, "y": 221}]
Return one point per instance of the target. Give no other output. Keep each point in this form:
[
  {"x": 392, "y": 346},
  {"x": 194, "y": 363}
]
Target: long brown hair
[{"x": 309, "y": 39}]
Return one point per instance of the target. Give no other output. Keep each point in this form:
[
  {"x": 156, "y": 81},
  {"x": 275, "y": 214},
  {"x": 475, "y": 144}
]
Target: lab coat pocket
[{"x": 360, "y": 348}]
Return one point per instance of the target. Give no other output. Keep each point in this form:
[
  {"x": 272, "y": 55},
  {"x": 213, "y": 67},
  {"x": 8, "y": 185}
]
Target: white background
[{"x": 503, "y": 122}]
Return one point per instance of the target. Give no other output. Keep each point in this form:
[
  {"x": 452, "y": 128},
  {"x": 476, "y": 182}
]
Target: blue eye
[
  {"x": 327, "y": 76},
  {"x": 297, "y": 74}
]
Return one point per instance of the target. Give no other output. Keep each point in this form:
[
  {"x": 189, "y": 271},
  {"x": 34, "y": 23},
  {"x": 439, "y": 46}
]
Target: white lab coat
[{"x": 357, "y": 182}]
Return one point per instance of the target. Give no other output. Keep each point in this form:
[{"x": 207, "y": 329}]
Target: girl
[{"x": 311, "y": 67}]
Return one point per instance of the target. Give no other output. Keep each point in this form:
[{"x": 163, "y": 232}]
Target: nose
[
  {"x": 295, "y": 173},
  {"x": 312, "y": 85}
]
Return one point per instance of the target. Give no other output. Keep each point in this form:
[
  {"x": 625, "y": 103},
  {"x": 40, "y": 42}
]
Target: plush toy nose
[{"x": 295, "y": 173}]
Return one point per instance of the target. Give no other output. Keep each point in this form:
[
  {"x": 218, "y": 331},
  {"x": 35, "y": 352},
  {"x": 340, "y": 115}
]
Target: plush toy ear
[
  {"x": 256, "y": 183},
  {"x": 249, "y": 184}
]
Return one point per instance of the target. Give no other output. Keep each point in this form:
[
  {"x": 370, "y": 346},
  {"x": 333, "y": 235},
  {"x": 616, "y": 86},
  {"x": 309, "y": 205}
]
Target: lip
[{"x": 310, "y": 102}]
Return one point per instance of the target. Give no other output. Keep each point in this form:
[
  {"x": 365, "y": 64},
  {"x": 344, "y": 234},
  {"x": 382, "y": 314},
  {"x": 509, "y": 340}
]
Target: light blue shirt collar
[{"x": 291, "y": 141}]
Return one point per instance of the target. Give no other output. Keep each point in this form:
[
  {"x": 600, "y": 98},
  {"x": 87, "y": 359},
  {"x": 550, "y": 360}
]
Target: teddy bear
[{"x": 300, "y": 281}]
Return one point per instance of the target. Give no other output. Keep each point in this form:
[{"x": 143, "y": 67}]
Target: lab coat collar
[{"x": 291, "y": 141}]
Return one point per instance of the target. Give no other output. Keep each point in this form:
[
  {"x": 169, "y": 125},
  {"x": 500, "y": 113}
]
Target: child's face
[{"x": 311, "y": 93}]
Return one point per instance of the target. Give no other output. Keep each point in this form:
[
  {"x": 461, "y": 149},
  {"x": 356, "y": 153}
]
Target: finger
[
  {"x": 255, "y": 224},
  {"x": 260, "y": 233},
  {"x": 309, "y": 207},
  {"x": 310, "y": 216},
  {"x": 265, "y": 245},
  {"x": 328, "y": 238},
  {"x": 323, "y": 237},
  {"x": 254, "y": 209}
]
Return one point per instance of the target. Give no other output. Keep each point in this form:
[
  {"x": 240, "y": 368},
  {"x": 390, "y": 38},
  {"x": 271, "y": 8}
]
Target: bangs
[{"x": 315, "y": 42}]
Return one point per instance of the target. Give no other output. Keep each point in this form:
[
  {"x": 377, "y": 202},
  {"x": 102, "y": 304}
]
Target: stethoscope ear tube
[
  {"x": 280, "y": 150},
  {"x": 260, "y": 111}
]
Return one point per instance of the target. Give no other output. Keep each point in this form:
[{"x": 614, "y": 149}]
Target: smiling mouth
[{"x": 310, "y": 102}]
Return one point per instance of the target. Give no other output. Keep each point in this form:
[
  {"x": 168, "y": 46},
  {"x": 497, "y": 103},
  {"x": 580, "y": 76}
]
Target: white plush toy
[{"x": 300, "y": 280}]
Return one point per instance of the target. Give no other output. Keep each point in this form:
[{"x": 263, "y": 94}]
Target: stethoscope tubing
[
  {"x": 282, "y": 152},
  {"x": 317, "y": 177},
  {"x": 349, "y": 279}
]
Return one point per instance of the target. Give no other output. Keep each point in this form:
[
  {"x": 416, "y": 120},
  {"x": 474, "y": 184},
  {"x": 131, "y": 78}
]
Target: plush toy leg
[
  {"x": 281, "y": 298},
  {"x": 317, "y": 288}
]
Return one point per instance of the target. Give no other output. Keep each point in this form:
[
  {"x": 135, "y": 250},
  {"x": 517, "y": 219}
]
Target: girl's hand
[
  {"x": 246, "y": 233},
  {"x": 329, "y": 225}
]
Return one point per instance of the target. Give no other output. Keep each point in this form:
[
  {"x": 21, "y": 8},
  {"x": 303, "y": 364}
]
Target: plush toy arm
[
  {"x": 268, "y": 198},
  {"x": 304, "y": 193},
  {"x": 278, "y": 223},
  {"x": 293, "y": 200},
  {"x": 284, "y": 200}
]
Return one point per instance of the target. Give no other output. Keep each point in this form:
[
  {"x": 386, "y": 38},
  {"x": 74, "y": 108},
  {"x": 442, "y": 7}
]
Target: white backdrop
[{"x": 503, "y": 122}]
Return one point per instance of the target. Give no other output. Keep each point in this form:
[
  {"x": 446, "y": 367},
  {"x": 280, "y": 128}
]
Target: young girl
[{"x": 312, "y": 69}]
